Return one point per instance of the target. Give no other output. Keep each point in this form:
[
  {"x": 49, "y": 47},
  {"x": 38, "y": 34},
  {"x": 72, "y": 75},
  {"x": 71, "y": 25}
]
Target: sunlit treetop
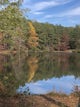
[{"x": 4, "y": 2}]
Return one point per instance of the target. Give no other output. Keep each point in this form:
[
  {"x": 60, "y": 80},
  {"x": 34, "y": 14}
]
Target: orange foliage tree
[{"x": 32, "y": 37}]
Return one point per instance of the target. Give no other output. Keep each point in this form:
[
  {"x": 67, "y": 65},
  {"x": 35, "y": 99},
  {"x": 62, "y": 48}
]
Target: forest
[{"x": 18, "y": 33}]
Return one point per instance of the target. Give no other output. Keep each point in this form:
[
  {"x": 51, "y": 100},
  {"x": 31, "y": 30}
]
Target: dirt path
[{"x": 39, "y": 101}]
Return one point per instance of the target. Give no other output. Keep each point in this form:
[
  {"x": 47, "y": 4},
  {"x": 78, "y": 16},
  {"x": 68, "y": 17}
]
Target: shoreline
[
  {"x": 5, "y": 52},
  {"x": 48, "y": 100}
]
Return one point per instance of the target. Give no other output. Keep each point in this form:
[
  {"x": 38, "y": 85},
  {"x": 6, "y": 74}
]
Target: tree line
[
  {"x": 19, "y": 33},
  {"x": 56, "y": 37}
]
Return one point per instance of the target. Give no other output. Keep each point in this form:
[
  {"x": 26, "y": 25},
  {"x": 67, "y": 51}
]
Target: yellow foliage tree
[
  {"x": 32, "y": 37},
  {"x": 33, "y": 66}
]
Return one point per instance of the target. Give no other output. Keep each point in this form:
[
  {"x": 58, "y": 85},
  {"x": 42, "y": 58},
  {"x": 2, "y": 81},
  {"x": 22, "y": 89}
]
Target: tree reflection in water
[{"x": 16, "y": 71}]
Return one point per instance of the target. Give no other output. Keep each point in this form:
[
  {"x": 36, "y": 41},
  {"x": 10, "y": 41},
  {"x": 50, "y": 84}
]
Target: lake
[{"x": 39, "y": 73}]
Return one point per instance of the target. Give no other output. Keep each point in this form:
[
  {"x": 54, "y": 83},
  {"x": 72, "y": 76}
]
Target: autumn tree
[
  {"x": 64, "y": 45},
  {"x": 32, "y": 37}
]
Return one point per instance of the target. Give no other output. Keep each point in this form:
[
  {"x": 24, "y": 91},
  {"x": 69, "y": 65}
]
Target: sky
[
  {"x": 51, "y": 85},
  {"x": 64, "y": 12}
]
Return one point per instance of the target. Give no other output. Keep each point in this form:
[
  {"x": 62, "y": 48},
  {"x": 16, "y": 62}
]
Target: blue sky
[
  {"x": 64, "y": 12},
  {"x": 51, "y": 85}
]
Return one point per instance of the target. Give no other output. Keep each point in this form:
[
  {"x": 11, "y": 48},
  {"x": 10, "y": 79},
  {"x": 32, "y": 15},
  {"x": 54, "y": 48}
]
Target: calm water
[{"x": 39, "y": 73}]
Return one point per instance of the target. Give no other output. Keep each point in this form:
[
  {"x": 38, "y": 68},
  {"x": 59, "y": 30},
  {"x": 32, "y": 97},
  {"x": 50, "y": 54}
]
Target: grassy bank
[{"x": 49, "y": 100}]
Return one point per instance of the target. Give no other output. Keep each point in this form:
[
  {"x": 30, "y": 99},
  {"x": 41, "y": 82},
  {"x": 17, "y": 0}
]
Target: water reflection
[
  {"x": 16, "y": 71},
  {"x": 63, "y": 85},
  {"x": 33, "y": 66}
]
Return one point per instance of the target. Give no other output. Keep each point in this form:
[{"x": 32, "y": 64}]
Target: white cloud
[
  {"x": 40, "y": 6},
  {"x": 69, "y": 13},
  {"x": 48, "y": 16},
  {"x": 38, "y": 13},
  {"x": 73, "y": 12},
  {"x": 43, "y": 5}
]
